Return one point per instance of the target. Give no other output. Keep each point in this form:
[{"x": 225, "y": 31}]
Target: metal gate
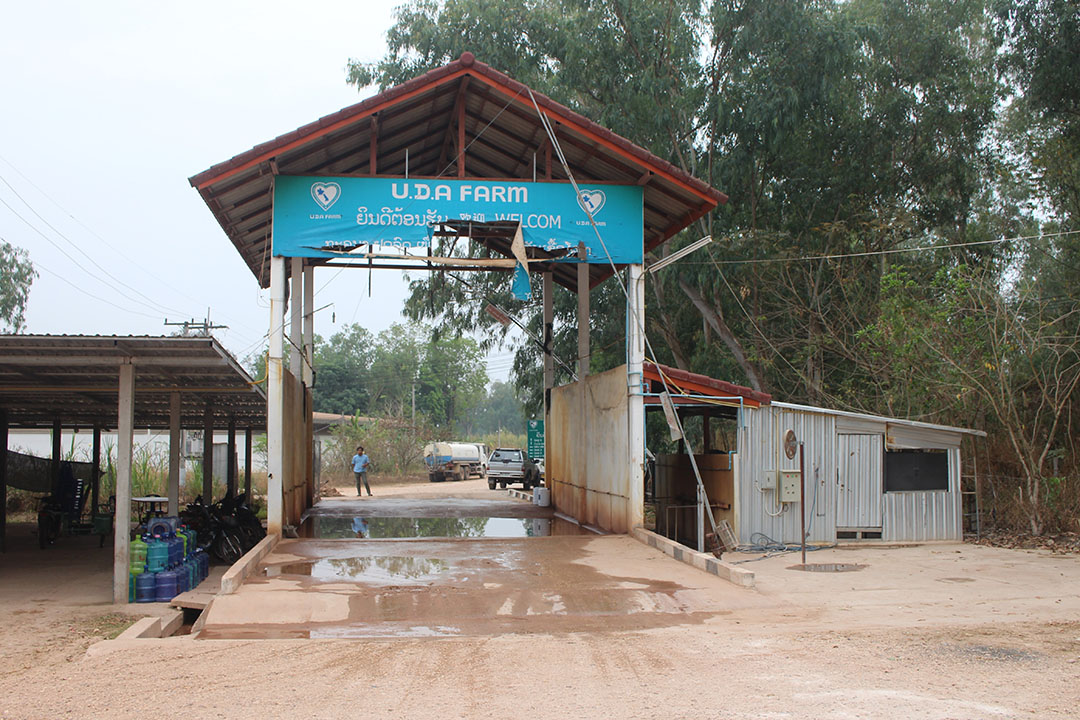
[{"x": 858, "y": 478}]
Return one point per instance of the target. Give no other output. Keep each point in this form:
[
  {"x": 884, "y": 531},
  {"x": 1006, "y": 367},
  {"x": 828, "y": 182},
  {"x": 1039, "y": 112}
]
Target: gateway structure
[{"x": 535, "y": 189}]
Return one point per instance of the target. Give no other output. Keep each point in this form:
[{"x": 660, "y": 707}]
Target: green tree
[
  {"x": 500, "y": 410},
  {"x": 342, "y": 367},
  {"x": 17, "y": 273},
  {"x": 450, "y": 382}
]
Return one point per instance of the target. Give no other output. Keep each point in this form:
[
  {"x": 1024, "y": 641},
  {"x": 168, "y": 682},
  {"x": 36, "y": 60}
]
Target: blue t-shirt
[{"x": 360, "y": 463}]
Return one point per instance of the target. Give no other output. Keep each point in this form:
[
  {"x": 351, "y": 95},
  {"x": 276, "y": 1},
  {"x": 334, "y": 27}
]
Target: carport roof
[
  {"x": 75, "y": 379},
  {"x": 411, "y": 129}
]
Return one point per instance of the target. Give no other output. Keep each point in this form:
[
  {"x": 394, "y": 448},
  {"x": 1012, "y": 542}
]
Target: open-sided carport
[
  {"x": 462, "y": 151},
  {"x": 126, "y": 383}
]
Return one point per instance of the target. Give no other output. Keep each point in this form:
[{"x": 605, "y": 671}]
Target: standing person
[{"x": 360, "y": 463}]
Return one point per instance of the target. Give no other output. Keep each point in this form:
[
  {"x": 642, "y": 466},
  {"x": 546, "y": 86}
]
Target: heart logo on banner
[
  {"x": 326, "y": 194},
  {"x": 592, "y": 200}
]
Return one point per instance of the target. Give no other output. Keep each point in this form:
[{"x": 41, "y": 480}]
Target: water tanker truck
[{"x": 452, "y": 461}]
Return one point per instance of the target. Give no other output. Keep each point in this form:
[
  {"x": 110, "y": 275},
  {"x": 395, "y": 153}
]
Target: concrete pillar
[
  {"x": 57, "y": 451},
  {"x": 174, "y": 453},
  {"x": 230, "y": 460},
  {"x": 125, "y": 428},
  {"x": 208, "y": 455},
  {"x": 95, "y": 470},
  {"x": 582, "y": 315},
  {"x": 296, "y": 314},
  {"x": 549, "y": 340},
  {"x": 548, "y": 335},
  {"x": 3, "y": 478},
  {"x": 247, "y": 463},
  {"x": 275, "y": 400},
  {"x": 635, "y": 352},
  {"x": 309, "y": 324}
]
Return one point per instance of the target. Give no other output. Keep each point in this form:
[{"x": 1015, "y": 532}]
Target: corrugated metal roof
[
  {"x": 417, "y": 119},
  {"x": 75, "y": 379},
  {"x": 882, "y": 419}
]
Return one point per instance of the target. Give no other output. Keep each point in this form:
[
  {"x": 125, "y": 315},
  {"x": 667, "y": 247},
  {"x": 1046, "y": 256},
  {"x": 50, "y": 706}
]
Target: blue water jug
[
  {"x": 165, "y": 589},
  {"x": 145, "y": 587},
  {"x": 182, "y": 579},
  {"x": 157, "y": 555}
]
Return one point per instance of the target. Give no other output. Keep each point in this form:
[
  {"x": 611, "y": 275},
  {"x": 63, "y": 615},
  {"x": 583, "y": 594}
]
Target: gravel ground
[{"x": 939, "y": 631}]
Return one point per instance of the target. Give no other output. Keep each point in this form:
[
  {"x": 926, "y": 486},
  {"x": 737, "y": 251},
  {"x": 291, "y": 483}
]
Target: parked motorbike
[{"x": 220, "y": 530}]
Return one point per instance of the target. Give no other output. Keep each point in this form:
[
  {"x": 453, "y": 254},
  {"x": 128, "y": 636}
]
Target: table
[{"x": 154, "y": 503}]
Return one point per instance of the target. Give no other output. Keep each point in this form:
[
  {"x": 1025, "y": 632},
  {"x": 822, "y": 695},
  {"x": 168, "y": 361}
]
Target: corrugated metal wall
[
  {"x": 761, "y": 449},
  {"x": 909, "y": 516},
  {"x": 919, "y": 516},
  {"x": 859, "y": 482}
]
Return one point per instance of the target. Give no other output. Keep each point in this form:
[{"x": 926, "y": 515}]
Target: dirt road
[{"x": 938, "y": 631}]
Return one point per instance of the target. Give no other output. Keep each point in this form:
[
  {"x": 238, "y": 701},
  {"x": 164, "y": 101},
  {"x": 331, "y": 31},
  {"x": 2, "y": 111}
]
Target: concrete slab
[{"x": 459, "y": 587}]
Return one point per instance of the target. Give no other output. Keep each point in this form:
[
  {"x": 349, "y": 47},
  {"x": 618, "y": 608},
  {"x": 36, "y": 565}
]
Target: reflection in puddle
[
  {"x": 399, "y": 570},
  {"x": 328, "y": 527}
]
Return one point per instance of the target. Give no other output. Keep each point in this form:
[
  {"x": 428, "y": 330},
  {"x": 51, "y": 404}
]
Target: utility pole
[
  {"x": 414, "y": 403},
  {"x": 196, "y": 328}
]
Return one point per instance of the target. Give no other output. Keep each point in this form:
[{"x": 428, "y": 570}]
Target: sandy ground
[{"x": 934, "y": 631}]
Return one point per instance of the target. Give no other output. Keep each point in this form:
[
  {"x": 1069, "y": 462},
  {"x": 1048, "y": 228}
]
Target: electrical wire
[{"x": 893, "y": 251}]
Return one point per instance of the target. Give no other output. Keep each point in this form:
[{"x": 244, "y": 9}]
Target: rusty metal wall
[
  {"x": 297, "y": 458},
  {"x": 920, "y": 516},
  {"x": 588, "y": 467},
  {"x": 859, "y": 480},
  {"x": 760, "y": 449}
]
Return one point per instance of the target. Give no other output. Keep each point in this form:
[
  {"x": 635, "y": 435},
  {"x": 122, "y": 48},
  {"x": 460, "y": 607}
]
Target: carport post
[
  {"x": 174, "y": 454},
  {"x": 247, "y": 464},
  {"x": 57, "y": 435},
  {"x": 3, "y": 478},
  {"x": 275, "y": 401},
  {"x": 125, "y": 428},
  {"x": 95, "y": 470},
  {"x": 582, "y": 313},
  {"x": 230, "y": 473},
  {"x": 635, "y": 360},
  {"x": 208, "y": 455}
]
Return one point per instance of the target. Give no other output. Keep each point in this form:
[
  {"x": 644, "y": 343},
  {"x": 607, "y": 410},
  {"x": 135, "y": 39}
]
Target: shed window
[{"x": 907, "y": 470}]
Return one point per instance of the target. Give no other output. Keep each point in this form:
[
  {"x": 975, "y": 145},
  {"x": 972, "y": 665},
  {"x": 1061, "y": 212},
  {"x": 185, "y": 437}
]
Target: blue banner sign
[{"x": 331, "y": 216}]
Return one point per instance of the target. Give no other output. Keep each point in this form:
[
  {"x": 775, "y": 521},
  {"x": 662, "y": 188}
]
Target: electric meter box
[
  {"x": 768, "y": 480},
  {"x": 790, "y": 484}
]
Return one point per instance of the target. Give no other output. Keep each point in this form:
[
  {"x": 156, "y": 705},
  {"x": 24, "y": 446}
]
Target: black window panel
[{"x": 907, "y": 470}]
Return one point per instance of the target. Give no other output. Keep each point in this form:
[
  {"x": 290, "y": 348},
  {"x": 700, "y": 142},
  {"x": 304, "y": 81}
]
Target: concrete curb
[
  {"x": 153, "y": 627},
  {"x": 235, "y": 576},
  {"x": 702, "y": 561}
]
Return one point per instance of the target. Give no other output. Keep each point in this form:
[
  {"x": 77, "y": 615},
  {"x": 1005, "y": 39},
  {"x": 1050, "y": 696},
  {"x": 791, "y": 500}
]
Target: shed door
[{"x": 859, "y": 487}]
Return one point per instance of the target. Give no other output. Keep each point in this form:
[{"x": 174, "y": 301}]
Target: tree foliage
[
  {"x": 876, "y": 154},
  {"x": 16, "y": 275}
]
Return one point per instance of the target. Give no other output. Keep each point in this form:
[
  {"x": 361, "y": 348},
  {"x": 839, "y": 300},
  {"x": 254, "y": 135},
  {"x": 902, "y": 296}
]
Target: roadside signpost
[{"x": 534, "y": 431}]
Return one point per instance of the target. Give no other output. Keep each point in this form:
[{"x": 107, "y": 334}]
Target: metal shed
[{"x": 867, "y": 476}]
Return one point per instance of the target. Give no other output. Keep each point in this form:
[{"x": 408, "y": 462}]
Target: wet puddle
[
  {"x": 329, "y": 527},
  {"x": 396, "y": 570}
]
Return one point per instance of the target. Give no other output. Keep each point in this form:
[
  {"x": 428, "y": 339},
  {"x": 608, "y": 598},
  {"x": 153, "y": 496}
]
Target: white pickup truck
[{"x": 512, "y": 465}]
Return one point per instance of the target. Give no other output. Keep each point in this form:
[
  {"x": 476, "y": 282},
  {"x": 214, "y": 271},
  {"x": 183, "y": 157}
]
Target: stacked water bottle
[{"x": 165, "y": 562}]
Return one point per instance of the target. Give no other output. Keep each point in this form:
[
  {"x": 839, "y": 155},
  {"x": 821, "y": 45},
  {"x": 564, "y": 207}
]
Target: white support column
[
  {"x": 275, "y": 401},
  {"x": 309, "y": 324},
  {"x": 174, "y": 453},
  {"x": 296, "y": 315},
  {"x": 125, "y": 428},
  {"x": 582, "y": 315},
  {"x": 548, "y": 337},
  {"x": 635, "y": 351}
]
